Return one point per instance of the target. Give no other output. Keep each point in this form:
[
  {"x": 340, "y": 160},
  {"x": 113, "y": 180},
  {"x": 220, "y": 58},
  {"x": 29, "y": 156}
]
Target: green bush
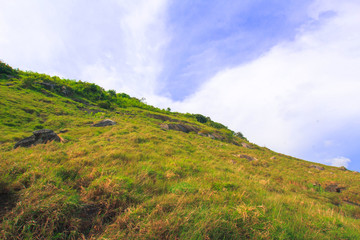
[
  {"x": 201, "y": 118},
  {"x": 27, "y": 82},
  {"x": 105, "y": 105},
  {"x": 6, "y": 69}
]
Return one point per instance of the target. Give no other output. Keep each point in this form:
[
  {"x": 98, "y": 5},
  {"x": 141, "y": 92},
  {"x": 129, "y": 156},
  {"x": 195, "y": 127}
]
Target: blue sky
[
  {"x": 207, "y": 36},
  {"x": 285, "y": 73}
]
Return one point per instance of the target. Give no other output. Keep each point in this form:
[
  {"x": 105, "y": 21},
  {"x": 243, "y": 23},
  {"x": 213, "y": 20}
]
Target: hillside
[{"x": 155, "y": 174}]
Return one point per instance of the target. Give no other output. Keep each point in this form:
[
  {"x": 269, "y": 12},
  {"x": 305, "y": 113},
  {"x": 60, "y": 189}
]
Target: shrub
[
  {"x": 201, "y": 118},
  {"x": 112, "y": 93},
  {"x": 6, "y": 69},
  {"x": 239, "y": 134},
  {"x": 105, "y": 104},
  {"x": 27, "y": 82}
]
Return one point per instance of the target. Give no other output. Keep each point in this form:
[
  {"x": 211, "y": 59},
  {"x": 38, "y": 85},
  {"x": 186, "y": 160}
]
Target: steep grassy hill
[{"x": 143, "y": 179}]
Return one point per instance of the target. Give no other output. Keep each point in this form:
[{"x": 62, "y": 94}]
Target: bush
[
  {"x": 27, "y": 82},
  {"x": 216, "y": 125},
  {"x": 239, "y": 134},
  {"x": 201, "y": 118},
  {"x": 6, "y": 69},
  {"x": 105, "y": 104},
  {"x": 112, "y": 93}
]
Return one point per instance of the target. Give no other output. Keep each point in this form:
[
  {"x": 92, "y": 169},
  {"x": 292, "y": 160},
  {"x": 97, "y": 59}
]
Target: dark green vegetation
[{"x": 135, "y": 180}]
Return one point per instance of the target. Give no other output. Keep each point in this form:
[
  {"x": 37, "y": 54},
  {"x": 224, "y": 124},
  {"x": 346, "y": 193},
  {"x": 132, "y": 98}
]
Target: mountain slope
[{"x": 142, "y": 179}]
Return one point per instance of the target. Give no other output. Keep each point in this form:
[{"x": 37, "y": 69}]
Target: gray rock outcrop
[
  {"x": 250, "y": 158},
  {"x": 180, "y": 127},
  {"x": 317, "y": 167},
  {"x": 106, "y": 122},
  {"x": 39, "y": 137},
  {"x": 334, "y": 187}
]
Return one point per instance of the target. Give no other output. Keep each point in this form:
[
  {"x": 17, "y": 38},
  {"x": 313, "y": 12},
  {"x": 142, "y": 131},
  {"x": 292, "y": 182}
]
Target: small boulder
[
  {"x": 162, "y": 118},
  {"x": 103, "y": 123},
  {"x": 273, "y": 158},
  {"x": 39, "y": 137},
  {"x": 343, "y": 168},
  {"x": 66, "y": 91},
  {"x": 48, "y": 85},
  {"x": 179, "y": 127},
  {"x": 317, "y": 167},
  {"x": 245, "y": 145},
  {"x": 334, "y": 187},
  {"x": 250, "y": 158},
  {"x": 214, "y": 135}
]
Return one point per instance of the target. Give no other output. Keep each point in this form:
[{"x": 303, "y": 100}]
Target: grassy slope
[{"x": 135, "y": 180}]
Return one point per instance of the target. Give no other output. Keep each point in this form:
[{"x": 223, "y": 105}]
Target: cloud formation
[
  {"x": 299, "y": 94},
  {"x": 339, "y": 162},
  {"x": 208, "y": 36},
  {"x": 117, "y": 44}
]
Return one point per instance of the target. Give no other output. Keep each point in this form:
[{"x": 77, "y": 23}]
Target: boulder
[
  {"x": 334, "y": 187},
  {"x": 245, "y": 145},
  {"x": 48, "y": 85},
  {"x": 317, "y": 167},
  {"x": 250, "y": 158},
  {"x": 39, "y": 137},
  {"x": 162, "y": 118},
  {"x": 179, "y": 127},
  {"x": 66, "y": 91},
  {"x": 103, "y": 123},
  {"x": 214, "y": 135}
]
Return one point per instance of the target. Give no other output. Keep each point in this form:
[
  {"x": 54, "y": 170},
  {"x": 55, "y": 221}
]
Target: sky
[{"x": 284, "y": 73}]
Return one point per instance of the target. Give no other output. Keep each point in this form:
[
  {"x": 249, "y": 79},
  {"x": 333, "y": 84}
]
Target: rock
[
  {"x": 317, "y": 167},
  {"x": 47, "y": 85},
  {"x": 103, "y": 123},
  {"x": 39, "y": 137},
  {"x": 63, "y": 131},
  {"x": 215, "y": 135},
  {"x": 250, "y": 158},
  {"x": 162, "y": 118},
  {"x": 334, "y": 187},
  {"x": 66, "y": 91},
  {"x": 273, "y": 158},
  {"x": 179, "y": 127},
  {"x": 245, "y": 145},
  {"x": 343, "y": 168}
]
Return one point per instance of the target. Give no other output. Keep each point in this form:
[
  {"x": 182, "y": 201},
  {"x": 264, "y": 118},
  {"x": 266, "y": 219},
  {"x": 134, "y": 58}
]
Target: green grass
[{"x": 137, "y": 181}]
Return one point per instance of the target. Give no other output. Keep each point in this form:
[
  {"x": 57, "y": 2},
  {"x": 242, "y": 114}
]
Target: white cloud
[
  {"x": 141, "y": 26},
  {"x": 27, "y": 33},
  {"x": 117, "y": 44},
  {"x": 295, "y": 95},
  {"x": 339, "y": 162}
]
